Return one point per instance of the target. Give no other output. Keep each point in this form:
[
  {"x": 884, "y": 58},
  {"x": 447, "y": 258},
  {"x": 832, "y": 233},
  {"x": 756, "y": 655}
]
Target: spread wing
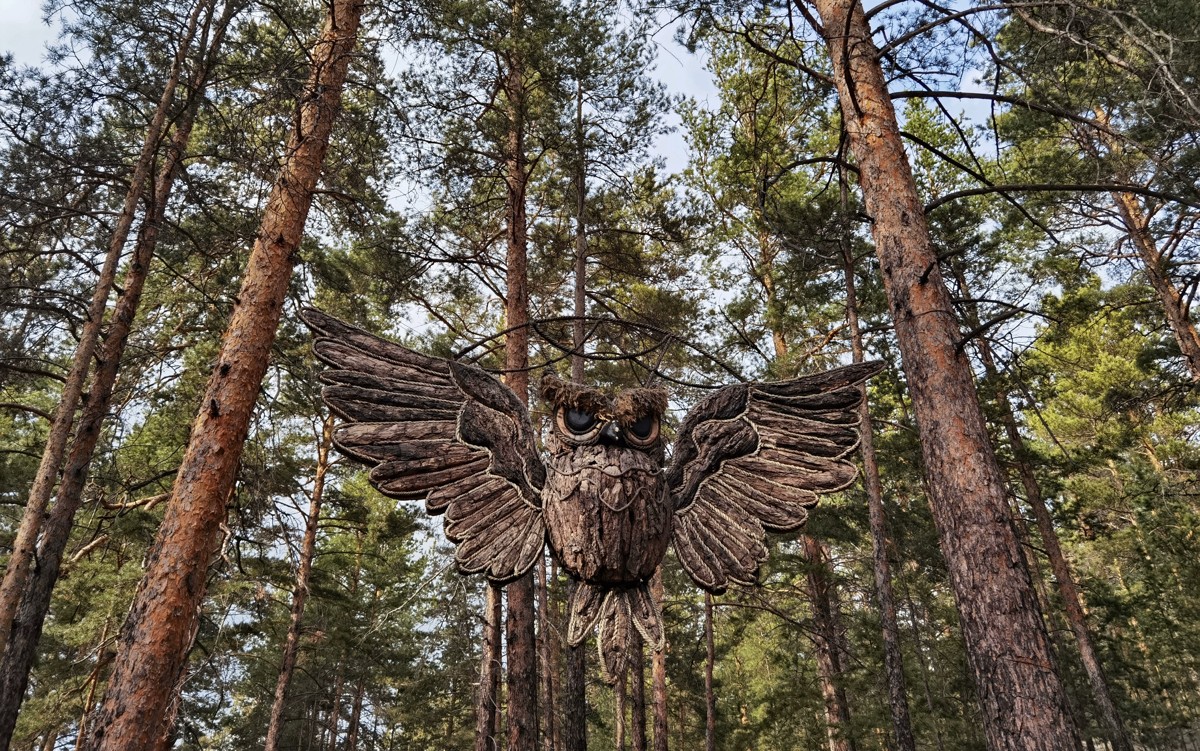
[
  {"x": 753, "y": 458},
  {"x": 440, "y": 431}
]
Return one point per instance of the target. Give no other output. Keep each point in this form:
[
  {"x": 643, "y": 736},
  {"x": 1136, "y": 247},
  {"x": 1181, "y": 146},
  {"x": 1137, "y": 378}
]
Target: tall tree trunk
[
  {"x": 487, "y": 698},
  {"x": 1153, "y": 263},
  {"x": 637, "y": 694},
  {"x": 829, "y": 655},
  {"x": 574, "y": 722},
  {"x": 710, "y": 694},
  {"x": 163, "y": 618},
  {"x": 574, "y": 695},
  {"x": 35, "y": 601},
  {"x": 519, "y": 626},
  {"x": 580, "y": 301},
  {"x": 1020, "y": 692},
  {"x": 355, "y": 717},
  {"x": 546, "y": 646},
  {"x": 1063, "y": 577},
  {"x": 659, "y": 673},
  {"x": 308, "y": 548},
  {"x": 1137, "y": 226},
  {"x": 16, "y": 574},
  {"x": 619, "y": 711},
  {"x": 893, "y": 659}
]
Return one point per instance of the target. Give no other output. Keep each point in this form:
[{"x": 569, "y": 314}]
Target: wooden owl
[{"x": 749, "y": 459}]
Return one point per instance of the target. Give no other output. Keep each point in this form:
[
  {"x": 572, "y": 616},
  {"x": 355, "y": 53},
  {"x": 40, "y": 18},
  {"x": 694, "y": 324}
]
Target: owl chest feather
[{"x": 607, "y": 512}]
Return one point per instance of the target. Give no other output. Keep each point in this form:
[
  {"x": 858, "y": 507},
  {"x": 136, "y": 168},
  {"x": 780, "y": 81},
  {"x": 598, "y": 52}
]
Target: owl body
[{"x": 607, "y": 509}]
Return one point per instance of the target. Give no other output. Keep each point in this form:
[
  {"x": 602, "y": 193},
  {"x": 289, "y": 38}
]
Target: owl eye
[
  {"x": 579, "y": 422},
  {"x": 643, "y": 432},
  {"x": 577, "y": 425}
]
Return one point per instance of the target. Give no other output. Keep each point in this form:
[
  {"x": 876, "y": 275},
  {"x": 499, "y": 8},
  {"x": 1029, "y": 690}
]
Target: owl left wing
[
  {"x": 753, "y": 458},
  {"x": 442, "y": 431}
]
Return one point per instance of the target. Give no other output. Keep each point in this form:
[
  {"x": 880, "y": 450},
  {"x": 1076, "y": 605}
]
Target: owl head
[{"x": 584, "y": 416}]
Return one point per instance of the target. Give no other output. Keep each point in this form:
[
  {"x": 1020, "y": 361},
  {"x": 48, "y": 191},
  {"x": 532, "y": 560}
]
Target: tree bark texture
[
  {"x": 619, "y": 696},
  {"x": 710, "y": 694},
  {"x": 545, "y": 644},
  {"x": 487, "y": 698},
  {"x": 165, "y": 613},
  {"x": 574, "y": 715},
  {"x": 16, "y": 574},
  {"x": 637, "y": 694},
  {"x": 1175, "y": 307},
  {"x": 35, "y": 601},
  {"x": 308, "y": 548},
  {"x": 659, "y": 673},
  {"x": 829, "y": 655},
  {"x": 519, "y": 626},
  {"x": 893, "y": 658},
  {"x": 1020, "y": 692},
  {"x": 1063, "y": 577},
  {"x": 1137, "y": 226},
  {"x": 580, "y": 287}
]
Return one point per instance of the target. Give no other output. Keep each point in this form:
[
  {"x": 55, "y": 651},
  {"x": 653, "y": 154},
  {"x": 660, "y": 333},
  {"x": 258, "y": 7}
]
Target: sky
[
  {"x": 22, "y": 32},
  {"x": 24, "y": 36}
]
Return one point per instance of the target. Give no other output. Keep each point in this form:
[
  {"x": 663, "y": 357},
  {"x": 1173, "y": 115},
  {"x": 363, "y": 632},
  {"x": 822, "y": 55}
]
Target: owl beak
[{"x": 611, "y": 433}]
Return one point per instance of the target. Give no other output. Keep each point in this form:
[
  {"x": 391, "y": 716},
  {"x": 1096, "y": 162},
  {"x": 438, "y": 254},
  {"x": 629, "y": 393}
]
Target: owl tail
[{"x": 618, "y": 613}]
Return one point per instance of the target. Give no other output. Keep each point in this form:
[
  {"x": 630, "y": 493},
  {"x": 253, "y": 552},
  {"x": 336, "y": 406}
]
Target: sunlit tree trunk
[
  {"x": 308, "y": 548},
  {"x": 893, "y": 659},
  {"x": 165, "y": 613},
  {"x": 519, "y": 624},
  {"x": 1020, "y": 692},
  {"x": 35, "y": 602},
  {"x": 1063, "y": 577},
  {"x": 20, "y": 562}
]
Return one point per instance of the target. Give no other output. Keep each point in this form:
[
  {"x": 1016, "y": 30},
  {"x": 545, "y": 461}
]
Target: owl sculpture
[{"x": 749, "y": 459}]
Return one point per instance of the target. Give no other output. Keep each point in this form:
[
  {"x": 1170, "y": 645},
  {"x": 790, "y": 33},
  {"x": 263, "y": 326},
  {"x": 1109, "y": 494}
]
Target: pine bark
[
  {"x": 710, "y": 695},
  {"x": 35, "y": 601},
  {"x": 20, "y": 562},
  {"x": 165, "y": 613},
  {"x": 893, "y": 659},
  {"x": 637, "y": 694},
  {"x": 486, "y": 703},
  {"x": 1137, "y": 226},
  {"x": 574, "y": 724},
  {"x": 546, "y": 646},
  {"x": 308, "y": 548},
  {"x": 659, "y": 674},
  {"x": 519, "y": 624},
  {"x": 1153, "y": 263},
  {"x": 1059, "y": 566},
  {"x": 829, "y": 654},
  {"x": 1020, "y": 692}
]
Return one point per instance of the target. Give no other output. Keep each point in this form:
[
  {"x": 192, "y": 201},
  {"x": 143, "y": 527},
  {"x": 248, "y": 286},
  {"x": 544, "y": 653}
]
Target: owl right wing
[
  {"x": 753, "y": 458},
  {"x": 442, "y": 431}
]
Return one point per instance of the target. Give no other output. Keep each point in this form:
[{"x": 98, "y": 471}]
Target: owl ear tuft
[
  {"x": 560, "y": 393},
  {"x": 634, "y": 404}
]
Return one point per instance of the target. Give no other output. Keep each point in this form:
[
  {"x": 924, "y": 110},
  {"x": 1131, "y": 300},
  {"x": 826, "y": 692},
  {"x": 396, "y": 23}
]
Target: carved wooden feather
[
  {"x": 443, "y": 432},
  {"x": 749, "y": 459},
  {"x": 753, "y": 458}
]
